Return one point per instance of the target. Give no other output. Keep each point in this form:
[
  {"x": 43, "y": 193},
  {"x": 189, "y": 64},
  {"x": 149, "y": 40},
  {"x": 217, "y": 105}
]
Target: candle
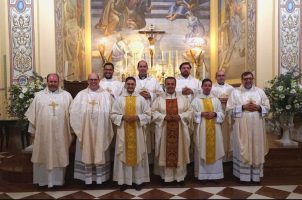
[{"x": 66, "y": 69}]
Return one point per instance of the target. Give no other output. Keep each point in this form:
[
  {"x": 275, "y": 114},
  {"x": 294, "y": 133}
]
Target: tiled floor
[{"x": 235, "y": 192}]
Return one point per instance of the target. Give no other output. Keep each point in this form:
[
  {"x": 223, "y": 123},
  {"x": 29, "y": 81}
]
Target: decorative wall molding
[
  {"x": 59, "y": 37},
  {"x": 251, "y": 35},
  {"x": 289, "y": 35},
  {"x": 21, "y": 40}
]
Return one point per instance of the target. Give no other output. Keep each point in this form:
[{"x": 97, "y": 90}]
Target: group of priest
[{"x": 137, "y": 123}]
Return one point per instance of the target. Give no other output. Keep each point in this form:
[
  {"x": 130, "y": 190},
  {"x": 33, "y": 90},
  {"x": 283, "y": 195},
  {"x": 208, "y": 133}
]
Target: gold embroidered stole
[
  {"x": 172, "y": 134},
  {"x": 210, "y": 132},
  {"x": 130, "y": 132}
]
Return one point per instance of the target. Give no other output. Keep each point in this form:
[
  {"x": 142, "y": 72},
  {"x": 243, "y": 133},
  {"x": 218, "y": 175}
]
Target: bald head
[
  {"x": 52, "y": 82},
  {"x": 142, "y": 67},
  {"x": 93, "y": 81}
]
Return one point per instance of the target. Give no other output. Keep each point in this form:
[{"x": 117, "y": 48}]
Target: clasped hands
[
  {"x": 251, "y": 107},
  {"x": 130, "y": 118},
  {"x": 208, "y": 115},
  {"x": 172, "y": 118},
  {"x": 145, "y": 94},
  {"x": 223, "y": 100},
  {"x": 187, "y": 91}
]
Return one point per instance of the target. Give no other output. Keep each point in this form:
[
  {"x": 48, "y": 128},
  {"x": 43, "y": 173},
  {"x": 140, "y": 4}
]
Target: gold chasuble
[
  {"x": 130, "y": 132},
  {"x": 210, "y": 132},
  {"x": 172, "y": 134}
]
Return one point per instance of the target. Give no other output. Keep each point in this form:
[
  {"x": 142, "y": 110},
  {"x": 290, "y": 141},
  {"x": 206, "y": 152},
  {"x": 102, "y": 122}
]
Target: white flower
[
  {"x": 280, "y": 88},
  {"x": 21, "y": 96},
  {"x": 24, "y": 90},
  {"x": 282, "y": 96},
  {"x": 288, "y": 107},
  {"x": 293, "y": 91}
]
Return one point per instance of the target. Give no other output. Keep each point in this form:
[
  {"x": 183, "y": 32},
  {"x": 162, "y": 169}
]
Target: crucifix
[
  {"x": 151, "y": 35},
  {"x": 53, "y": 105},
  {"x": 93, "y": 102}
]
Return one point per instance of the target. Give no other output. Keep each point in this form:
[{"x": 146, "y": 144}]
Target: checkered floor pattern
[{"x": 236, "y": 192}]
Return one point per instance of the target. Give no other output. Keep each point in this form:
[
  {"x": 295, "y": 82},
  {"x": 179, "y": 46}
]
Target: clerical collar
[
  {"x": 171, "y": 95},
  {"x": 142, "y": 77},
  {"x": 221, "y": 84}
]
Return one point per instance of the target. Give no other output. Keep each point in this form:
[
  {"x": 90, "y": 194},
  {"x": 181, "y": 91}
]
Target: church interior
[{"x": 76, "y": 37}]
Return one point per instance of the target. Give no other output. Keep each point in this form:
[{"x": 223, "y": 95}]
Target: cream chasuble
[
  {"x": 49, "y": 122},
  {"x": 131, "y": 157},
  {"x": 185, "y": 112},
  {"x": 90, "y": 120}
]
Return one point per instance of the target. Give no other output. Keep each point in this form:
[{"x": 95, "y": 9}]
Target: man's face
[
  {"x": 248, "y": 81},
  {"x": 170, "y": 86},
  {"x": 93, "y": 82},
  {"x": 220, "y": 77},
  {"x": 185, "y": 70},
  {"x": 206, "y": 87},
  {"x": 130, "y": 86},
  {"x": 142, "y": 68},
  {"x": 52, "y": 83},
  {"x": 108, "y": 71}
]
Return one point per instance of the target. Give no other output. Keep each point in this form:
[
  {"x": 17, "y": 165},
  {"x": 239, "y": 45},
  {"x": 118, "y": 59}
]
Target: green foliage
[
  {"x": 22, "y": 96},
  {"x": 285, "y": 96}
]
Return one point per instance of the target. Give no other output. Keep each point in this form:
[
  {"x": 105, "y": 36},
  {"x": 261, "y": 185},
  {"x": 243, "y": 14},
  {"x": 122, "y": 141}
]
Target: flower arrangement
[
  {"x": 22, "y": 96},
  {"x": 285, "y": 96}
]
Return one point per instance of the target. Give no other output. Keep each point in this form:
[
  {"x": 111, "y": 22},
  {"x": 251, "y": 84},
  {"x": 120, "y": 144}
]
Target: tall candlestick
[{"x": 5, "y": 74}]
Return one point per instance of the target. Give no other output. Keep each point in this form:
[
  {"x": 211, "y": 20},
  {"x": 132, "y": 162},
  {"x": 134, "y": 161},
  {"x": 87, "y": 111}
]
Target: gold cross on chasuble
[
  {"x": 130, "y": 132},
  {"x": 210, "y": 132},
  {"x": 53, "y": 105},
  {"x": 172, "y": 134},
  {"x": 92, "y": 103}
]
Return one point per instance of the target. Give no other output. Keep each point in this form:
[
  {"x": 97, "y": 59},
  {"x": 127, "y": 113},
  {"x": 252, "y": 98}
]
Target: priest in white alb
[
  {"x": 149, "y": 88},
  {"x": 248, "y": 105},
  {"x": 186, "y": 84},
  {"x": 130, "y": 113},
  {"x": 222, "y": 91},
  {"x": 48, "y": 117},
  {"x": 90, "y": 120},
  {"x": 173, "y": 117},
  {"x": 208, "y": 138},
  {"x": 114, "y": 87}
]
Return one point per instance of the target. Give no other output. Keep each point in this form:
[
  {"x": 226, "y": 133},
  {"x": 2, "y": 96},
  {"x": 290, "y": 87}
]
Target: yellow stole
[
  {"x": 210, "y": 132},
  {"x": 130, "y": 132}
]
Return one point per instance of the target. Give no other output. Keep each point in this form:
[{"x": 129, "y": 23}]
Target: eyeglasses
[
  {"x": 93, "y": 79},
  {"x": 248, "y": 79}
]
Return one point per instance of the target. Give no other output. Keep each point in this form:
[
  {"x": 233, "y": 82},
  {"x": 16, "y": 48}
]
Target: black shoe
[
  {"x": 138, "y": 187},
  {"x": 123, "y": 187},
  {"x": 216, "y": 182},
  {"x": 181, "y": 183}
]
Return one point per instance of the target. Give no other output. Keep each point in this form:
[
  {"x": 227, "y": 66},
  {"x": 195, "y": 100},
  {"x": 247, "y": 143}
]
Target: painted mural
[
  {"x": 232, "y": 37},
  {"x": 74, "y": 40},
  {"x": 126, "y": 31}
]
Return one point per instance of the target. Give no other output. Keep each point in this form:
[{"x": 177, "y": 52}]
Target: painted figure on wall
[
  {"x": 113, "y": 17},
  {"x": 232, "y": 36},
  {"x": 119, "y": 14},
  {"x": 180, "y": 8},
  {"x": 74, "y": 38}
]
